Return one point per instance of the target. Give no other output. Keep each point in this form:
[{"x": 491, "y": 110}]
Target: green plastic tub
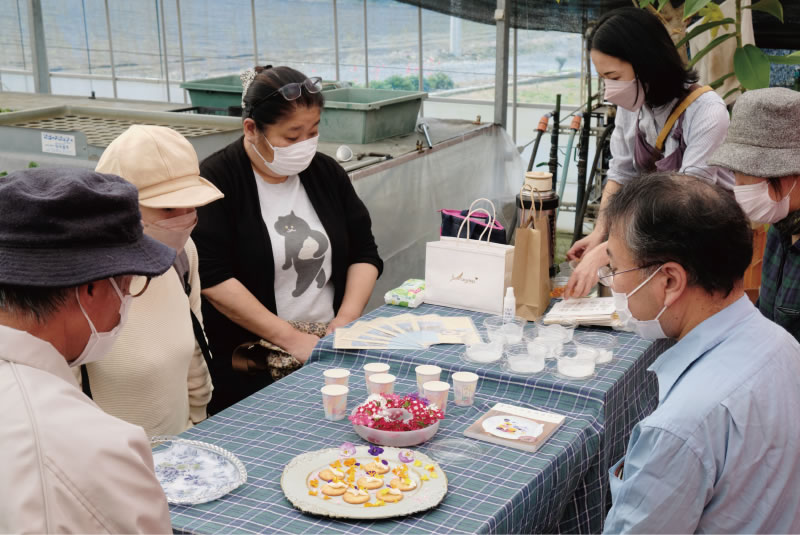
[
  {"x": 225, "y": 91},
  {"x": 362, "y": 116}
]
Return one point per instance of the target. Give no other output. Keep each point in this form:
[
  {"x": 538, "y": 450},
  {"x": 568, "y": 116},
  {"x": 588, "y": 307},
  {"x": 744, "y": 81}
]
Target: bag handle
[
  {"x": 676, "y": 113},
  {"x": 466, "y": 219},
  {"x": 533, "y": 193},
  {"x": 493, "y": 216}
]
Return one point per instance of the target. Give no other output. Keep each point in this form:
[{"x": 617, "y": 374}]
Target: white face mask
[
  {"x": 291, "y": 160},
  {"x": 99, "y": 344},
  {"x": 647, "y": 329},
  {"x": 758, "y": 205},
  {"x": 628, "y": 94},
  {"x": 173, "y": 232}
]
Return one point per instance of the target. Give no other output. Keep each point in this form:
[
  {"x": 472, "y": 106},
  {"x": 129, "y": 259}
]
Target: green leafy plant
[
  {"x": 435, "y": 81},
  {"x": 751, "y": 65}
]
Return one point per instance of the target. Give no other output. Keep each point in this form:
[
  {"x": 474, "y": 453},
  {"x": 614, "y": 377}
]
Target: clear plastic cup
[
  {"x": 483, "y": 353},
  {"x": 506, "y": 333},
  {"x": 520, "y": 360},
  {"x": 562, "y": 332},
  {"x": 551, "y": 347},
  {"x": 577, "y": 362},
  {"x": 602, "y": 343}
]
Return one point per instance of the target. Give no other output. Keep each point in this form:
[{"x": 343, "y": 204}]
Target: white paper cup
[
  {"x": 336, "y": 376},
  {"x": 381, "y": 383},
  {"x": 372, "y": 368},
  {"x": 426, "y": 373},
  {"x": 464, "y": 385},
  {"x": 334, "y": 401},
  {"x": 436, "y": 392}
]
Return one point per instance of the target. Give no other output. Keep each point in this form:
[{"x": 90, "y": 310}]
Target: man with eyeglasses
[
  {"x": 72, "y": 257},
  {"x": 718, "y": 455}
]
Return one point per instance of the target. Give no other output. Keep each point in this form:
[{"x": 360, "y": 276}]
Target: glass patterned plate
[
  {"x": 302, "y": 484},
  {"x": 192, "y": 472}
]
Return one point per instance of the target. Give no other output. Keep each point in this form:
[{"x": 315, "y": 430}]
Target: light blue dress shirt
[{"x": 721, "y": 453}]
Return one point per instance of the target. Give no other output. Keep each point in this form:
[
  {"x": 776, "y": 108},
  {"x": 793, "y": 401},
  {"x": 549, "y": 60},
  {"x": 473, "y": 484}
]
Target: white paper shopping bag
[{"x": 468, "y": 274}]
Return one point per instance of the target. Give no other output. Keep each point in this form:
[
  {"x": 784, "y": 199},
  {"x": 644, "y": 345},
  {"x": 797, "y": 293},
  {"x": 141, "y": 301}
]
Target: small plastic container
[
  {"x": 602, "y": 343},
  {"x": 577, "y": 363},
  {"x": 506, "y": 333},
  {"x": 558, "y": 284},
  {"x": 483, "y": 353},
  {"x": 520, "y": 361},
  {"x": 561, "y": 332},
  {"x": 552, "y": 348}
]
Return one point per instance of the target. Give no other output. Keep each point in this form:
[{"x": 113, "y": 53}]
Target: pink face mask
[{"x": 628, "y": 95}]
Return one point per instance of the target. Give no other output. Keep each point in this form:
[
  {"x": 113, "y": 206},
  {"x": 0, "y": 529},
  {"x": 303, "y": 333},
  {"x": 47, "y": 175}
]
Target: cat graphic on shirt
[{"x": 305, "y": 250}]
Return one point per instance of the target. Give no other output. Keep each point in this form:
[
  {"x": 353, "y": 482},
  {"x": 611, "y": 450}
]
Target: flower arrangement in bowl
[{"x": 396, "y": 421}]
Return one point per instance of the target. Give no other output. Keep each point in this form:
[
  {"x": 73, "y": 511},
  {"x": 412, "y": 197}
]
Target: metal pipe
[
  {"x": 180, "y": 45},
  {"x": 553, "y": 163},
  {"x": 336, "y": 37},
  {"x": 366, "y": 47},
  {"x": 576, "y": 124},
  {"x": 111, "y": 51},
  {"x": 255, "y": 33},
  {"x": 540, "y": 129},
  {"x": 501, "y": 65},
  {"x": 419, "y": 45},
  {"x": 514, "y": 96},
  {"x": 41, "y": 70},
  {"x": 583, "y": 153},
  {"x": 166, "y": 55}
]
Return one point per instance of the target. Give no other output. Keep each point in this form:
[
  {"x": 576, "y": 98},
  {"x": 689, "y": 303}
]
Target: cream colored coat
[{"x": 67, "y": 466}]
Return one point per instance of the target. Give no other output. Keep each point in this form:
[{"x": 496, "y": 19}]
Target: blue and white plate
[{"x": 192, "y": 472}]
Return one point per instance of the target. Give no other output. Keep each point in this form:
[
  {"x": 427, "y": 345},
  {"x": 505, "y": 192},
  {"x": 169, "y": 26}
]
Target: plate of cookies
[{"x": 363, "y": 482}]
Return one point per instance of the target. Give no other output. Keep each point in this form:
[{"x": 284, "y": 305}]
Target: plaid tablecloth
[
  {"x": 502, "y": 490},
  {"x": 621, "y": 394}
]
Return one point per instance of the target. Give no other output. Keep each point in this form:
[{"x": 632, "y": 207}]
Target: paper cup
[
  {"x": 381, "y": 383},
  {"x": 334, "y": 401},
  {"x": 464, "y": 385},
  {"x": 426, "y": 373},
  {"x": 436, "y": 392},
  {"x": 336, "y": 376},
  {"x": 372, "y": 368}
]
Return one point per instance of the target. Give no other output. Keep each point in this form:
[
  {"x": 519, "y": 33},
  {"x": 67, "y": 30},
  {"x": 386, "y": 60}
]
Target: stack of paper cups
[
  {"x": 336, "y": 376},
  {"x": 436, "y": 392},
  {"x": 426, "y": 373},
  {"x": 334, "y": 401},
  {"x": 464, "y": 385},
  {"x": 372, "y": 368},
  {"x": 381, "y": 383}
]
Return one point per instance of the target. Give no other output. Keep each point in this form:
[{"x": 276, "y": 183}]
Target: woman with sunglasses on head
[
  {"x": 289, "y": 254},
  {"x": 665, "y": 121}
]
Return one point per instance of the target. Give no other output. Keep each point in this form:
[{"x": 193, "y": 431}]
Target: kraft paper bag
[
  {"x": 468, "y": 274},
  {"x": 530, "y": 275}
]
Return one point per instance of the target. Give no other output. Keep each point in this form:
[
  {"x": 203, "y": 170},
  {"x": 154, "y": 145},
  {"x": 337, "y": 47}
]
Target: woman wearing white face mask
[
  {"x": 664, "y": 121},
  {"x": 289, "y": 253},
  {"x": 155, "y": 374},
  {"x": 763, "y": 150}
]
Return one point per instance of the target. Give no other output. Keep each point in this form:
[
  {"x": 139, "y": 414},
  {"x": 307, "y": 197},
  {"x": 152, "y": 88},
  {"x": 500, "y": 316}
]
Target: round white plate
[
  {"x": 513, "y": 428},
  {"x": 192, "y": 472},
  {"x": 304, "y": 468}
]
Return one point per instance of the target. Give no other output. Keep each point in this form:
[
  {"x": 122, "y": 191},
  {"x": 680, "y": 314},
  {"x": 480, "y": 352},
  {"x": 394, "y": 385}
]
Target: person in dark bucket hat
[
  {"x": 72, "y": 257},
  {"x": 762, "y": 148}
]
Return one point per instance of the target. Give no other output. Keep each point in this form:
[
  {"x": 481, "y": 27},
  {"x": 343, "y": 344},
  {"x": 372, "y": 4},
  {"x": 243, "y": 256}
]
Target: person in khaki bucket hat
[
  {"x": 156, "y": 374},
  {"x": 762, "y": 148}
]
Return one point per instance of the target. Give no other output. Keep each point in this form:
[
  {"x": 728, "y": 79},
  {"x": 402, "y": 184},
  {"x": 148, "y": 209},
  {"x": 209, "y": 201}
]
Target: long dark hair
[
  {"x": 265, "y": 111},
  {"x": 638, "y": 37}
]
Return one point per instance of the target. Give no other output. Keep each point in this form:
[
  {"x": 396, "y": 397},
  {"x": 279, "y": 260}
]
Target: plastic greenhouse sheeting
[{"x": 403, "y": 200}]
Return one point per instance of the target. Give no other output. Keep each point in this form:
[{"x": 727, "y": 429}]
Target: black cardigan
[{"x": 233, "y": 242}]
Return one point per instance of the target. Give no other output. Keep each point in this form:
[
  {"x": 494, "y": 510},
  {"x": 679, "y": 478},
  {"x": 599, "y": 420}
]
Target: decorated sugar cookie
[
  {"x": 337, "y": 488},
  {"x": 403, "y": 484},
  {"x": 369, "y": 482},
  {"x": 390, "y": 495},
  {"x": 355, "y": 496}
]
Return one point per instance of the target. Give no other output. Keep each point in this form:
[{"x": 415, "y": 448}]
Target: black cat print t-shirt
[{"x": 301, "y": 250}]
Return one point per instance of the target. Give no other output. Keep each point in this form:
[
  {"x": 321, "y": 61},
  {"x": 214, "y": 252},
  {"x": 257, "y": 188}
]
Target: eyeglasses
[
  {"x": 138, "y": 285},
  {"x": 295, "y": 89},
  {"x": 606, "y": 275}
]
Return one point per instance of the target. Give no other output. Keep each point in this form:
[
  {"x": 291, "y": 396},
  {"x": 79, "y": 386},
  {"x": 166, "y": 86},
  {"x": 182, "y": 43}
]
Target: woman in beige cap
[{"x": 156, "y": 375}]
